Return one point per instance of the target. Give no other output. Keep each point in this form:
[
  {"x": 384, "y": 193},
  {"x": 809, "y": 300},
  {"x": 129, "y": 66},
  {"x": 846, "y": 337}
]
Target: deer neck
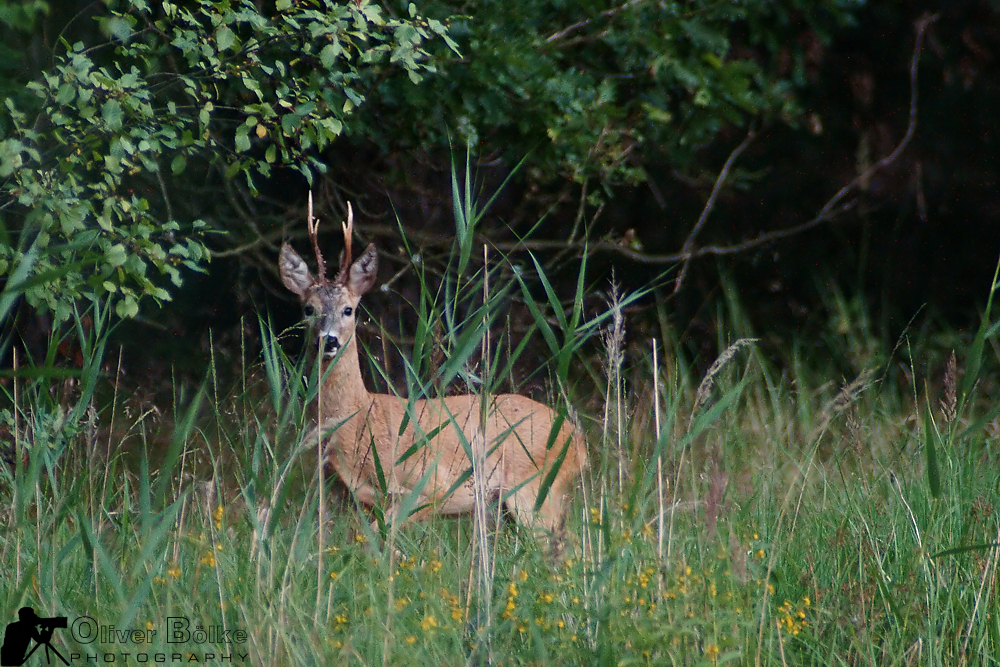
[{"x": 343, "y": 393}]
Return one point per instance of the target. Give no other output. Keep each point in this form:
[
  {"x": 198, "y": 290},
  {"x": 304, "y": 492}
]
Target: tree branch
[
  {"x": 583, "y": 24},
  {"x": 833, "y": 207},
  {"x": 709, "y": 205}
]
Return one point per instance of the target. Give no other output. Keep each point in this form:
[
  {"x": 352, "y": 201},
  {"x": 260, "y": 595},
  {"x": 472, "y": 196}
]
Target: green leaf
[
  {"x": 116, "y": 255},
  {"x": 66, "y": 94},
  {"x": 111, "y": 113},
  {"x": 233, "y": 169},
  {"x": 226, "y": 38},
  {"x": 328, "y": 56},
  {"x": 118, "y": 28},
  {"x": 251, "y": 83},
  {"x": 333, "y": 126},
  {"x": 72, "y": 220},
  {"x": 178, "y": 164},
  {"x": 159, "y": 293},
  {"x": 242, "y": 139},
  {"x": 127, "y": 307},
  {"x": 10, "y": 156}
]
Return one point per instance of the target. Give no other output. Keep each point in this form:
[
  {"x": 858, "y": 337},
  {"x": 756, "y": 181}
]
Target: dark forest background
[{"x": 597, "y": 121}]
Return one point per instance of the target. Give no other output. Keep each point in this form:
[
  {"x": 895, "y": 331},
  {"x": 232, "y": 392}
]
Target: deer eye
[
  {"x": 347, "y": 311},
  {"x": 309, "y": 310}
]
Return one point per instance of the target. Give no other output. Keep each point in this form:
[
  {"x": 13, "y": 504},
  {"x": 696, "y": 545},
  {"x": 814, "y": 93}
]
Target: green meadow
[{"x": 758, "y": 508}]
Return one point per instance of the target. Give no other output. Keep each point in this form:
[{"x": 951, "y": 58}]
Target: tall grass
[{"x": 752, "y": 514}]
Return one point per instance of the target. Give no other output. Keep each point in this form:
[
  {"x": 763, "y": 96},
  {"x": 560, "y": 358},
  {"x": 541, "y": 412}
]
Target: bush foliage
[
  {"x": 90, "y": 160},
  {"x": 103, "y": 145},
  {"x": 598, "y": 92}
]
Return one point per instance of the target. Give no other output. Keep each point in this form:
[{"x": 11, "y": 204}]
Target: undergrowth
[{"x": 749, "y": 514}]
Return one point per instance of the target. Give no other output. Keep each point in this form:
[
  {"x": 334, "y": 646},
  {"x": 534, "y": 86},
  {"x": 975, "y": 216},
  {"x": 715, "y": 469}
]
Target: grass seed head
[
  {"x": 708, "y": 382},
  {"x": 844, "y": 399},
  {"x": 949, "y": 403}
]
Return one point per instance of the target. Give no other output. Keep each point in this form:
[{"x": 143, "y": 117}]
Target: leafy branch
[{"x": 216, "y": 83}]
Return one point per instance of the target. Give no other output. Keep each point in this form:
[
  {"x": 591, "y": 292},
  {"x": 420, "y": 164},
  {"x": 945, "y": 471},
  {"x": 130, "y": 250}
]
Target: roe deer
[{"x": 365, "y": 436}]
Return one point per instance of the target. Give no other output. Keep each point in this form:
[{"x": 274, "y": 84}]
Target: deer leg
[{"x": 547, "y": 521}]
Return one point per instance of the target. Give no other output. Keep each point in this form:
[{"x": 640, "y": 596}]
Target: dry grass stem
[{"x": 614, "y": 342}]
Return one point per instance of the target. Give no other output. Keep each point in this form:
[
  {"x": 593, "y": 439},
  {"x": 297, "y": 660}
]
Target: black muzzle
[{"x": 331, "y": 346}]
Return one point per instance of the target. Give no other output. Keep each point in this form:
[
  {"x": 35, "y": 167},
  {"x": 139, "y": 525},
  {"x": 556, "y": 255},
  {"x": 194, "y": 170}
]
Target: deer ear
[
  {"x": 294, "y": 272},
  {"x": 364, "y": 271}
]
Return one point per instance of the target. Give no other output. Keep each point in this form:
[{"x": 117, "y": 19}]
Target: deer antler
[
  {"x": 345, "y": 259},
  {"x": 312, "y": 225}
]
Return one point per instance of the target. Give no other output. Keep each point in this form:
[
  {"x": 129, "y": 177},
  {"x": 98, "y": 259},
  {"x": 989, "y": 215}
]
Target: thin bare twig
[
  {"x": 709, "y": 205},
  {"x": 833, "y": 207},
  {"x": 556, "y": 36}
]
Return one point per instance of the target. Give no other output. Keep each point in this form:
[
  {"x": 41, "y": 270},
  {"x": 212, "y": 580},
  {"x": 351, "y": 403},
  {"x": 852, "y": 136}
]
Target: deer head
[{"x": 330, "y": 307}]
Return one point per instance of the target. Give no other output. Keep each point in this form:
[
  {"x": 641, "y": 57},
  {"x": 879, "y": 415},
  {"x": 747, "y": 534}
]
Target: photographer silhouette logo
[{"x": 19, "y": 634}]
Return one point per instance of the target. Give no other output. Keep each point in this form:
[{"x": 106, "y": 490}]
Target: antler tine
[
  {"x": 312, "y": 225},
  {"x": 345, "y": 259}
]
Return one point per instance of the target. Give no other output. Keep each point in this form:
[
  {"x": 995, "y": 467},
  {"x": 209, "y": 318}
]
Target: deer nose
[{"x": 331, "y": 345}]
